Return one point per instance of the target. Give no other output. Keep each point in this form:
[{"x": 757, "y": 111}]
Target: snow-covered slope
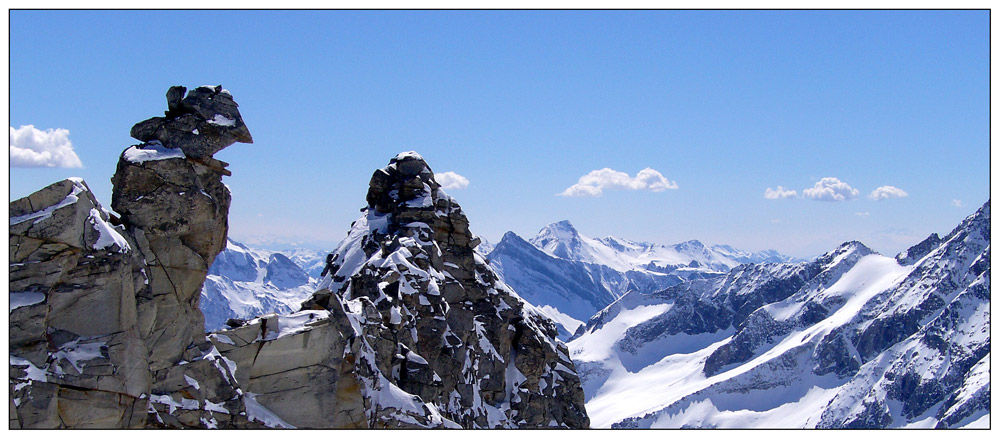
[
  {"x": 567, "y": 291},
  {"x": 245, "y": 283},
  {"x": 570, "y": 276},
  {"x": 851, "y": 339}
]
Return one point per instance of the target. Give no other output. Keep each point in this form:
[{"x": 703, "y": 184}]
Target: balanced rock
[
  {"x": 105, "y": 329},
  {"x": 201, "y": 123}
]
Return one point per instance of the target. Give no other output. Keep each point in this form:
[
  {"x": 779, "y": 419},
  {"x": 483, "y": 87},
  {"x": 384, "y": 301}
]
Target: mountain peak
[
  {"x": 561, "y": 227},
  {"x": 558, "y": 231},
  {"x": 849, "y": 251},
  {"x": 693, "y": 244},
  {"x": 405, "y": 184},
  {"x": 560, "y": 239},
  {"x": 432, "y": 319},
  {"x": 563, "y": 224}
]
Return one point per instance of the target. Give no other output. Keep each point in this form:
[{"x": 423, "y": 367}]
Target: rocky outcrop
[
  {"x": 411, "y": 328},
  {"x": 200, "y": 123},
  {"x": 76, "y": 356},
  {"x": 105, "y": 326},
  {"x": 913, "y": 254}
]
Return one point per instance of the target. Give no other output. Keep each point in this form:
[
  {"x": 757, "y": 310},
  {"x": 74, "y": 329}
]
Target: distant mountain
[
  {"x": 245, "y": 283},
  {"x": 311, "y": 261},
  {"x": 851, "y": 339},
  {"x": 570, "y": 277},
  {"x": 485, "y": 247},
  {"x": 563, "y": 241}
]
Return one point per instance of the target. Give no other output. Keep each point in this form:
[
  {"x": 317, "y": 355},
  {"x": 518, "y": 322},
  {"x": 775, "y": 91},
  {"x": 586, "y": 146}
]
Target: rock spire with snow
[{"x": 411, "y": 328}]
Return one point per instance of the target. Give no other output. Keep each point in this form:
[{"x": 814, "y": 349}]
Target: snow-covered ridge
[
  {"x": 571, "y": 276},
  {"x": 562, "y": 240},
  {"x": 851, "y": 339}
]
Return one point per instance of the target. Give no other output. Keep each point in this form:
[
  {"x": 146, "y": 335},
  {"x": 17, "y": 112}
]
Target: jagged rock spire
[{"x": 421, "y": 330}]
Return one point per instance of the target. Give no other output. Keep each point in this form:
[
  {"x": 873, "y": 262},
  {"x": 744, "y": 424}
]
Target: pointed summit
[
  {"x": 421, "y": 330},
  {"x": 559, "y": 239}
]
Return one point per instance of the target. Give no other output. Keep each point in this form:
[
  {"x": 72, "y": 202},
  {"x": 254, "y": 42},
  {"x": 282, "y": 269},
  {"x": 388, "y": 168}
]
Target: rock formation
[
  {"x": 410, "y": 329},
  {"x": 105, "y": 326}
]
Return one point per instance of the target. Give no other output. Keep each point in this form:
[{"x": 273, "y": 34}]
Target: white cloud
[
  {"x": 451, "y": 180},
  {"x": 957, "y": 203},
  {"x": 780, "y": 192},
  {"x": 830, "y": 189},
  {"x": 34, "y": 148},
  {"x": 862, "y": 213},
  {"x": 595, "y": 182},
  {"x": 886, "y": 192}
]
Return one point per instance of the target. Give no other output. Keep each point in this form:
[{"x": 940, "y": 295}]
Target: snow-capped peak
[
  {"x": 559, "y": 239},
  {"x": 562, "y": 240}
]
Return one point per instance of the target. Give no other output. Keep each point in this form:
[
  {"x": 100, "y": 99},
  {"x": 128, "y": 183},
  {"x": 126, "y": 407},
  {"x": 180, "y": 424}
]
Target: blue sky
[{"x": 724, "y": 105}]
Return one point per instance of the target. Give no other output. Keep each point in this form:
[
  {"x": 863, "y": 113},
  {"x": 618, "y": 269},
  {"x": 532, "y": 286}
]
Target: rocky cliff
[
  {"x": 410, "y": 329},
  {"x": 105, "y": 326}
]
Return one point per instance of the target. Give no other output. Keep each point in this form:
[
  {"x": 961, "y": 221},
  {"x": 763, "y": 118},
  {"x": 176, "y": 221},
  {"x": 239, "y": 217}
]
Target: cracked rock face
[
  {"x": 74, "y": 341},
  {"x": 105, "y": 326}
]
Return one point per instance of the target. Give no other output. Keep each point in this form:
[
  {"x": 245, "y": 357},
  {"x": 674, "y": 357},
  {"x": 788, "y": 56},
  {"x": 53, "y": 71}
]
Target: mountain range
[
  {"x": 412, "y": 321},
  {"x": 244, "y": 283},
  {"x": 570, "y": 277},
  {"x": 730, "y": 338},
  {"x": 852, "y": 339}
]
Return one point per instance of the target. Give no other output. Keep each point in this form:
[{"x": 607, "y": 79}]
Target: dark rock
[
  {"x": 201, "y": 123},
  {"x": 913, "y": 254},
  {"x": 438, "y": 323}
]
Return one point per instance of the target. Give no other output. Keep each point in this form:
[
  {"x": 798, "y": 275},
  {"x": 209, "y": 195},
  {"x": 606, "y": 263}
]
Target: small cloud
[
  {"x": 260, "y": 214},
  {"x": 450, "y": 180},
  {"x": 830, "y": 189},
  {"x": 34, "y": 148},
  {"x": 595, "y": 182},
  {"x": 886, "y": 192},
  {"x": 780, "y": 192},
  {"x": 957, "y": 203},
  {"x": 776, "y": 221},
  {"x": 862, "y": 213}
]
